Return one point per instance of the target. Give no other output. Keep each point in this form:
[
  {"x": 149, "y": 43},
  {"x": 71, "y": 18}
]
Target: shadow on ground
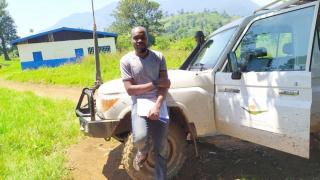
[
  {"x": 236, "y": 159},
  {"x": 113, "y": 168},
  {"x": 231, "y": 159}
]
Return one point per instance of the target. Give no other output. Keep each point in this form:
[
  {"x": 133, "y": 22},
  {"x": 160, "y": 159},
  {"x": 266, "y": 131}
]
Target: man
[
  {"x": 144, "y": 75},
  {"x": 200, "y": 39}
]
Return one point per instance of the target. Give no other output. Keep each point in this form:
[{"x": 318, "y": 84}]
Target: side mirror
[
  {"x": 260, "y": 52},
  {"x": 236, "y": 74}
]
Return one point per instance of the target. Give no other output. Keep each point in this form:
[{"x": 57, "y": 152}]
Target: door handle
[
  {"x": 289, "y": 92},
  {"x": 229, "y": 90}
]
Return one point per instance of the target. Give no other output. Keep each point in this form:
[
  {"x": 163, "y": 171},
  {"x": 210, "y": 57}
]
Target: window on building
[
  {"x": 102, "y": 49},
  {"x": 90, "y": 50}
]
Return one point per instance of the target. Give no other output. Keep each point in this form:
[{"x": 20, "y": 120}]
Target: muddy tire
[
  {"x": 315, "y": 141},
  {"x": 176, "y": 156}
]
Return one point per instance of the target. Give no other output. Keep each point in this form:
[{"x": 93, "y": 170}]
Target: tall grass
[
  {"x": 82, "y": 73},
  {"x": 34, "y": 133}
]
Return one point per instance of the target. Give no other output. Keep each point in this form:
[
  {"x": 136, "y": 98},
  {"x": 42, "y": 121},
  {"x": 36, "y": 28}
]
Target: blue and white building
[{"x": 59, "y": 46}]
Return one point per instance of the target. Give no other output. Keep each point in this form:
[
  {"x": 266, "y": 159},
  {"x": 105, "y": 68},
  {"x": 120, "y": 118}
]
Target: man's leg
[
  {"x": 140, "y": 135},
  {"x": 159, "y": 132}
]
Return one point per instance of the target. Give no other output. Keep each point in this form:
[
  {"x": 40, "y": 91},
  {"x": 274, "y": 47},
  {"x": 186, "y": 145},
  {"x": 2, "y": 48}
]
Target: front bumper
[
  {"x": 90, "y": 123},
  {"x": 98, "y": 128}
]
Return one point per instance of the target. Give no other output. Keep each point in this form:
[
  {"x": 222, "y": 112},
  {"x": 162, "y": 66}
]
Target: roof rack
[{"x": 282, "y": 5}]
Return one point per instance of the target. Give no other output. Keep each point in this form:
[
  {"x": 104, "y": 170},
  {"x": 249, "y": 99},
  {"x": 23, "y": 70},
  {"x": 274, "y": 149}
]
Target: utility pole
[{"x": 98, "y": 81}]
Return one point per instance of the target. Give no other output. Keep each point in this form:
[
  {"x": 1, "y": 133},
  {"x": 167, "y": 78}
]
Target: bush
[
  {"x": 159, "y": 43},
  {"x": 183, "y": 44},
  {"x": 162, "y": 43},
  {"x": 124, "y": 43}
]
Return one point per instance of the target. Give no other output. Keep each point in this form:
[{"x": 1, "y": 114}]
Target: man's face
[{"x": 139, "y": 40}]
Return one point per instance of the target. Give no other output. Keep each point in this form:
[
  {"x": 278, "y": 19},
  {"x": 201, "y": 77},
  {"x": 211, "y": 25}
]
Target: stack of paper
[{"x": 144, "y": 106}]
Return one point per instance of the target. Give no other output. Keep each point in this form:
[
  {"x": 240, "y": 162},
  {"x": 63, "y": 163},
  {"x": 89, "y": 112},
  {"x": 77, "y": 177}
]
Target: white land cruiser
[{"x": 256, "y": 79}]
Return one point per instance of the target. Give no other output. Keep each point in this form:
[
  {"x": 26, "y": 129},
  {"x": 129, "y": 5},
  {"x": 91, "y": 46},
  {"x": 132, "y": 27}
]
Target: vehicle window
[
  {"x": 277, "y": 43},
  {"x": 315, "y": 65},
  {"x": 211, "y": 50}
]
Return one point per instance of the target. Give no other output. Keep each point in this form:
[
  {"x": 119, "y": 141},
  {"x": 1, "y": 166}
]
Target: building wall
[{"x": 61, "y": 49}]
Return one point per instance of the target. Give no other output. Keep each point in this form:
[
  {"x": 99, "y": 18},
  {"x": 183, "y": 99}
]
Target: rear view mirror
[
  {"x": 236, "y": 74},
  {"x": 260, "y": 52}
]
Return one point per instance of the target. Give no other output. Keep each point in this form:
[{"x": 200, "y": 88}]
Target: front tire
[
  {"x": 176, "y": 152},
  {"x": 315, "y": 140}
]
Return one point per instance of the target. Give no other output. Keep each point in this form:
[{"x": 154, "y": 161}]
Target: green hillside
[
  {"x": 185, "y": 24},
  {"x": 179, "y": 30}
]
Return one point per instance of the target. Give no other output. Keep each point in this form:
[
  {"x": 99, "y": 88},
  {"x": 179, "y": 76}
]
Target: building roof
[{"x": 99, "y": 33}]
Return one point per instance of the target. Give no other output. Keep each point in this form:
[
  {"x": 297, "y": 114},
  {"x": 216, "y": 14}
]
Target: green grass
[
  {"x": 79, "y": 74},
  {"x": 34, "y": 133}
]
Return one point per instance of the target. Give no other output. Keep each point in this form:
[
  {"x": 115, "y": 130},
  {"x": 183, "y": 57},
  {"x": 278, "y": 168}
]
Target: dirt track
[
  {"x": 229, "y": 158},
  {"x": 55, "y": 92}
]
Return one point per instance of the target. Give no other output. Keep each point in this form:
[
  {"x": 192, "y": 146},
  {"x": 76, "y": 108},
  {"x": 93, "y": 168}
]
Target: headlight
[{"x": 106, "y": 104}]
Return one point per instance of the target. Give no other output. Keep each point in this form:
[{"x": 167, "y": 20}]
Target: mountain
[
  {"x": 231, "y": 7},
  {"x": 104, "y": 17},
  {"x": 85, "y": 21}
]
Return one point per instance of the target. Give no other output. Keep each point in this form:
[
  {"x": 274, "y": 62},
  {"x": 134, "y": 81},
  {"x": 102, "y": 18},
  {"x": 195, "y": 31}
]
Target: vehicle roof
[
  {"x": 230, "y": 25},
  {"x": 105, "y": 34}
]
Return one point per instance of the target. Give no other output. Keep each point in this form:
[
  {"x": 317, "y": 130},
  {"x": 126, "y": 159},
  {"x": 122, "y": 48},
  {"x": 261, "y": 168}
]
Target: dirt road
[
  {"x": 55, "y": 92},
  {"x": 229, "y": 158}
]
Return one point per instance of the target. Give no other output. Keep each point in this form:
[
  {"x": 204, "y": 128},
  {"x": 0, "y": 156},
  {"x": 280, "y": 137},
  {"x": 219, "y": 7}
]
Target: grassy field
[
  {"x": 34, "y": 133},
  {"x": 79, "y": 74}
]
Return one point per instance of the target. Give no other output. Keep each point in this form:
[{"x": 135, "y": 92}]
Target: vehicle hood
[{"x": 178, "y": 78}]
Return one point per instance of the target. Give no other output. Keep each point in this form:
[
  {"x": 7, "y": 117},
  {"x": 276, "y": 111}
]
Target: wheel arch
[{"x": 177, "y": 116}]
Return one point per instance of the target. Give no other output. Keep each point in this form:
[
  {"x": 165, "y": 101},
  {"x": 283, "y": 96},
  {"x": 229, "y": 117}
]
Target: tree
[
  {"x": 131, "y": 13},
  {"x": 8, "y": 30},
  {"x": 3, "y": 5}
]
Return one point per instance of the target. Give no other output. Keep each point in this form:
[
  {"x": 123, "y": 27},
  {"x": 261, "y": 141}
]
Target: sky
[{"x": 41, "y": 14}]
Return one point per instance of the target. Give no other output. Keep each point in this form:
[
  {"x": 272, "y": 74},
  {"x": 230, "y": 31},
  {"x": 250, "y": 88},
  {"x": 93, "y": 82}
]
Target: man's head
[
  {"x": 139, "y": 39},
  {"x": 199, "y": 36}
]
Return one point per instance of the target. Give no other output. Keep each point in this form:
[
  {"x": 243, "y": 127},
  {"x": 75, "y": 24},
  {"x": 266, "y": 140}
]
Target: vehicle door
[
  {"x": 204, "y": 62},
  {"x": 270, "y": 103}
]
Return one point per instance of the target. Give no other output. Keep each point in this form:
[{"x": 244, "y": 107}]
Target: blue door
[
  {"x": 37, "y": 56},
  {"x": 79, "y": 52}
]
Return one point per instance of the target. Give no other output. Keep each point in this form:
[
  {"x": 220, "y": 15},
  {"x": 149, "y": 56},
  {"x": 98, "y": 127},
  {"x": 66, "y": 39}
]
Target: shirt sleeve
[
  {"x": 125, "y": 69},
  {"x": 163, "y": 65}
]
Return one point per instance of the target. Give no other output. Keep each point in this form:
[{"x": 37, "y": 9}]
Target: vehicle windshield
[{"x": 211, "y": 50}]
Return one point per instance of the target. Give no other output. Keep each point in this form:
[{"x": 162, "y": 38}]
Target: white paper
[{"x": 144, "y": 106}]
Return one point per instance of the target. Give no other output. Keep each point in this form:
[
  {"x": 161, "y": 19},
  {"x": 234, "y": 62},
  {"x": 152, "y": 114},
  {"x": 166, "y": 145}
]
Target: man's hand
[
  {"x": 154, "y": 113},
  {"x": 139, "y": 89},
  {"x": 163, "y": 83}
]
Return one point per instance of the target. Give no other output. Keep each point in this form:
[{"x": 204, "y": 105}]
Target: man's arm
[
  {"x": 163, "y": 86},
  {"x": 134, "y": 90},
  {"x": 131, "y": 88}
]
